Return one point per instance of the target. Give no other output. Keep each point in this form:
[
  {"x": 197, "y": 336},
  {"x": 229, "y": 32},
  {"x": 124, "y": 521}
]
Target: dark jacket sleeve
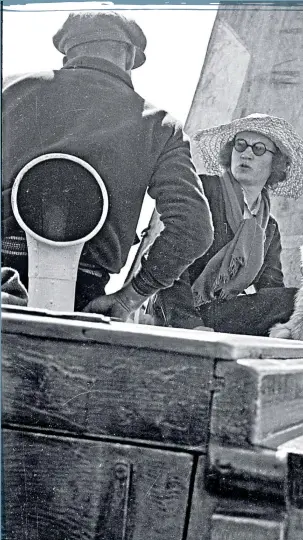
[
  {"x": 271, "y": 274},
  {"x": 184, "y": 211}
]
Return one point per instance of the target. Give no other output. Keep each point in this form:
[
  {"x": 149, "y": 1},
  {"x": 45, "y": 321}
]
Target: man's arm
[
  {"x": 187, "y": 233},
  {"x": 184, "y": 211}
]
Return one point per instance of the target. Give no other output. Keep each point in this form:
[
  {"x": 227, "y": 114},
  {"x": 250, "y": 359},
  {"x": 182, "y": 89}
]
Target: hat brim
[
  {"x": 64, "y": 43},
  {"x": 139, "y": 58},
  {"x": 210, "y": 141}
]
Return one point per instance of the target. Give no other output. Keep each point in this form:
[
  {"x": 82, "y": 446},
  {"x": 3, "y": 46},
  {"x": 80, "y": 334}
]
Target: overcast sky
[{"x": 176, "y": 44}]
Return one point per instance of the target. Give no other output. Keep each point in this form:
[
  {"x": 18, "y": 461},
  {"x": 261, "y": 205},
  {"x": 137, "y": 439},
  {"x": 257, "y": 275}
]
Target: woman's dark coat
[
  {"x": 270, "y": 274},
  {"x": 174, "y": 306}
]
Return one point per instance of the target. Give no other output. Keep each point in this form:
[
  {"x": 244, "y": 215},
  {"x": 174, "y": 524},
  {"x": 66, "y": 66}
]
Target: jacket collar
[
  {"x": 98, "y": 64},
  {"x": 270, "y": 231}
]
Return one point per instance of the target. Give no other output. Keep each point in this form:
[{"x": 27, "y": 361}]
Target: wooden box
[{"x": 123, "y": 432}]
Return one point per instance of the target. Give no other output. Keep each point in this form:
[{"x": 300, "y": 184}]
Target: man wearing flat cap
[{"x": 90, "y": 109}]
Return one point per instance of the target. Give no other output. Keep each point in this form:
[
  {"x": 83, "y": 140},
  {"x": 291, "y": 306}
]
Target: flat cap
[{"x": 84, "y": 27}]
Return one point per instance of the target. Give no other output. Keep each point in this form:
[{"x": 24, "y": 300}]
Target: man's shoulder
[
  {"x": 18, "y": 79},
  {"x": 167, "y": 131},
  {"x": 163, "y": 116}
]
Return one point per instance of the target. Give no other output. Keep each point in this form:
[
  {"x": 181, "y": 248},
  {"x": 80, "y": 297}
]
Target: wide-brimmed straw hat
[{"x": 279, "y": 131}]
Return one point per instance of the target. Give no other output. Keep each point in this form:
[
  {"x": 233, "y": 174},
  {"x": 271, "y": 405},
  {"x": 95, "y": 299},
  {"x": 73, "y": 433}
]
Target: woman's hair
[{"x": 279, "y": 163}]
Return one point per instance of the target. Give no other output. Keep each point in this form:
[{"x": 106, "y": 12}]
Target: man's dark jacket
[{"x": 89, "y": 109}]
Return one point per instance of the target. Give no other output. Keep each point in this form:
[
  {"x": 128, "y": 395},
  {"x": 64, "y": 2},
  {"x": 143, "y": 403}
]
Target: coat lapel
[{"x": 270, "y": 231}]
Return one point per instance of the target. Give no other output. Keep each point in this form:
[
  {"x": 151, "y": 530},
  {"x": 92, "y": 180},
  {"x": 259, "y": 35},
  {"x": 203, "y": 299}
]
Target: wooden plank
[
  {"x": 295, "y": 477},
  {"x": 203, "y": 505},
  {"x": 105, "y": 389},
  {"x": 294, "y": 446},
  {"x": 259, "y": 472},
  {"x": 259, "y": 399},
  {"x": 241, "y": 516},
  {"x": 194, "y": 342},
  {"x": 245, "y": 528},
  {"x": 295, "y": 526},
  {"x": 295, "y": 489},
  {"x": 63, "y": 488}
]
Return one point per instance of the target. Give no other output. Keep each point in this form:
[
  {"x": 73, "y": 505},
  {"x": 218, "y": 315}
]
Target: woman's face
[{"x": 250, "y": 169}]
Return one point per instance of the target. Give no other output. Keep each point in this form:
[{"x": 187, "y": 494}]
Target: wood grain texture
[
  {"x": 105, "y": 389},
  {"x": 295, "y": 489},
  {"x": 295, "y": 524},
  {"x": 68, "y": 489},
  {"x": 193, "y": 342},
  {"x": 258, "y": 472},
  {"x": 245, "y": 528},
  {"x": 259, "y": 399},
  {"x": 239, "y": 516},
  {"x": 203, "y": 506}
]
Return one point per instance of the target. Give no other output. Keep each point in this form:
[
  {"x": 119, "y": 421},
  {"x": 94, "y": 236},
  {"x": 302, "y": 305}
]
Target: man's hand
[
  {"x": 108, "y": 305},
  {"x": 119, "y": 305}
]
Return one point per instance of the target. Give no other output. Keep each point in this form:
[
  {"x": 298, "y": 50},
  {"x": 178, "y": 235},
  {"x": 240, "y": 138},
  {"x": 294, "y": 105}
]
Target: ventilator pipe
[{"x": 53, "y": 263}]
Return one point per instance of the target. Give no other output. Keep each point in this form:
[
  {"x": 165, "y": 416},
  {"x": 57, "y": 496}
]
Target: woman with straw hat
[{"x": 244, "y": 159}]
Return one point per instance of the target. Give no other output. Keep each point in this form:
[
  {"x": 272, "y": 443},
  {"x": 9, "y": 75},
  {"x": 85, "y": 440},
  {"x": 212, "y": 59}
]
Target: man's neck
[{"x": 104, "y": 54}]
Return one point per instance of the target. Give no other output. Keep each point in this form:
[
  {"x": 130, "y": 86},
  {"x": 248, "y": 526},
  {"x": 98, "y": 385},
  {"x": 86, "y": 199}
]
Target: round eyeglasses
[{"x": 258, "y": 148}]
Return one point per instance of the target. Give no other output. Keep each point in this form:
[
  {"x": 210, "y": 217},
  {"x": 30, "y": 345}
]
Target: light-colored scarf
[{"x": 236, "y": 265}]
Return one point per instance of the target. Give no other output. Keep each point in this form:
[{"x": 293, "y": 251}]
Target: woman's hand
[{"x": 12, "y": 290}]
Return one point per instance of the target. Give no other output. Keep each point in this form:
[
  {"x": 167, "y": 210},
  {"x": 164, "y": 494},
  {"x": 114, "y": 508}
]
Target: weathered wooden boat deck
[{"x": 123, "y": 432}]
